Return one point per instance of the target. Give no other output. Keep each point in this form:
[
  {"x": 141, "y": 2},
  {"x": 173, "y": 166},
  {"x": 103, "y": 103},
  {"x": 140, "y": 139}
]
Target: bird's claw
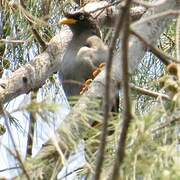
[
  {"x": 87, "y": 83},
  {"x": 98, "y": 70},
  {"x": 85, "y": 86}
]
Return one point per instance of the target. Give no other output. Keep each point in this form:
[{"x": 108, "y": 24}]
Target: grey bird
[{"x": 85, "y": 52}]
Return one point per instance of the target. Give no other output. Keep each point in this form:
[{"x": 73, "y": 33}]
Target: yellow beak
[{"x": 67, "y": 21}]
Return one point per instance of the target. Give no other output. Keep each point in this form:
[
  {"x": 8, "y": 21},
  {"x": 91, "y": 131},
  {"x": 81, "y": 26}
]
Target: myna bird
[{"x": 85, "y": 52}]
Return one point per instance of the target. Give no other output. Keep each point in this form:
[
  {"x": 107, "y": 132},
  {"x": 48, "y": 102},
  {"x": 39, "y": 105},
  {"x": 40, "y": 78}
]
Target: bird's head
[{"x": 79, "y": 22}]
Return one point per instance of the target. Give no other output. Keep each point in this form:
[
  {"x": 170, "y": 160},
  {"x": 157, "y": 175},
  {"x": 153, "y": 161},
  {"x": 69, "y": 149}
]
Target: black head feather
[{"x": 84, "y": 21}]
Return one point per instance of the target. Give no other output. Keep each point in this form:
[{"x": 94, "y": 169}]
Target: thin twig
[
  {"x": 120, "y": 153},
  {"x": 34, "y": 31},
  {"x": 38, "y": 37},
  {"x": 169, "y": 38},
  {"x": 69, "y": 173},
  {"x": 165, "y": 124},
  {"x": 13, "y": 41},
  {"x": 148, "y": 92},
  {"x": 100, "y": 157},
  {"x": 8, "y": 169}
]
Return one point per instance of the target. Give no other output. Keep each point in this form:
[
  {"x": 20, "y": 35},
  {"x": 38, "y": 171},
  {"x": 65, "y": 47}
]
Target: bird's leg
[{"x": 87, "y": 83}]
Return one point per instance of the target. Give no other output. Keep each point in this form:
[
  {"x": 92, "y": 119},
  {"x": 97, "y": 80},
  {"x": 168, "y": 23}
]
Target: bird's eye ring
[{"x": 81, "y": 17}]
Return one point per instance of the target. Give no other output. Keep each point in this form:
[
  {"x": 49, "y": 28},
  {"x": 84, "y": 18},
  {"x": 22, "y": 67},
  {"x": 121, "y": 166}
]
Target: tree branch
[
  {"x": 149, "y": 93},
  {"x": 107, "y": 13},
  {"x": 100, "y": 157},
  {"x": 127, "y": 116}
]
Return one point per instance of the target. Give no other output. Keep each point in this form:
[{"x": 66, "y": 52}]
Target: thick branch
[
  {"x": 33, "y": 75},
  {"x": 107, "y": 13}
]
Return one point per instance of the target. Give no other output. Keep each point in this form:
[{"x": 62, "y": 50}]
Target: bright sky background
[{"x": 43, "y": 131}]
